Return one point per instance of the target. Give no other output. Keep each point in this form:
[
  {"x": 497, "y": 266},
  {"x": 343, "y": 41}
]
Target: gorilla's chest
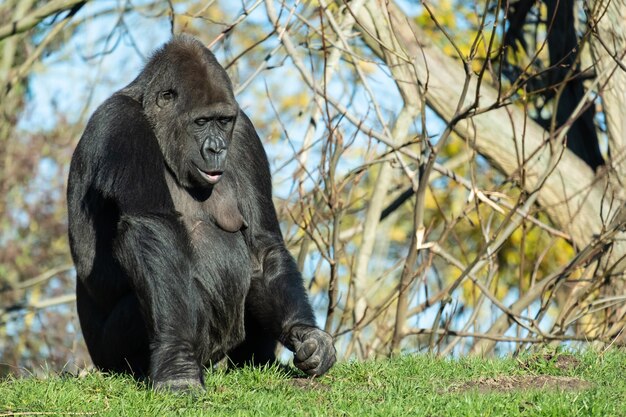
[
  {"x": 221, "y": 271},
  {"x": 219, "y": 253}
]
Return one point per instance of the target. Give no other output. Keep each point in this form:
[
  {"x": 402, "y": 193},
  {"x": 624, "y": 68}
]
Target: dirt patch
[
  {"x": 567, "y": 362},
  {"x": 561, "y": 362},
  {"x": 523, "y": 383},
  {"x": 308, "y": 384}
]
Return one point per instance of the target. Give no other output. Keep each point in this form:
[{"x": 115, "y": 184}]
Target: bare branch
[{"x": 36, "y": 16}]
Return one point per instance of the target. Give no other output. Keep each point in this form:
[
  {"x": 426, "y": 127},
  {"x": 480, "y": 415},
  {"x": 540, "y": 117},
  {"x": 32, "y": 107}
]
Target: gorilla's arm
[
  {"x": 277, "y": 298},
  {"x": 137, "y": 228}
]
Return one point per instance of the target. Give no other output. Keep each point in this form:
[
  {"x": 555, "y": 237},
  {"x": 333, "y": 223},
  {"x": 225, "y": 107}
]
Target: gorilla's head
[{"x": 188, "y": 98}]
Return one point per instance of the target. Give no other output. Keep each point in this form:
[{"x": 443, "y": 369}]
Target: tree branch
[{"x": 36, "y": 16}]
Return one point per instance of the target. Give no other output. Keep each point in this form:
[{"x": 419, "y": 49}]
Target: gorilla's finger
[
  {"x": 306, "y": 349},
  {"x": 328, "y": 358},
  {"x": 309, "y": 364},
  {"x": 323, "y": 366}
]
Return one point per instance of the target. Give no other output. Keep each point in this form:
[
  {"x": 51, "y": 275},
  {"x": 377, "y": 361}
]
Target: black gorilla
[{"x": 178, "y": 251}]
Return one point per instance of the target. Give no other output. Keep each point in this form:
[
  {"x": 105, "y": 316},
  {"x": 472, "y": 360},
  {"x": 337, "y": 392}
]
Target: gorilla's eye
[
  {"x": 201, "y": 121},
  {"x": 165, "y": 98},
  {"x": 168, "y": 95},
  {"x": 223, "y": 121}
]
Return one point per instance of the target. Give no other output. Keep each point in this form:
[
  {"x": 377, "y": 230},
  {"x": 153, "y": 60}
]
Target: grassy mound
[{"x": 562, "y": 384}]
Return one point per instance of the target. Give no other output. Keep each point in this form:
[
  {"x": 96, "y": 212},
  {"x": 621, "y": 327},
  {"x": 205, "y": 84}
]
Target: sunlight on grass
[{"x": 408, "y": 385}]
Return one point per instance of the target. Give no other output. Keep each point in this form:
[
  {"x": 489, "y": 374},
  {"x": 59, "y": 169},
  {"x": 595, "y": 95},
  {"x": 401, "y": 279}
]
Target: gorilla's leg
[
  {"x": 257, "y": 349},
  {"x": 155, "y": 253},
  {"x": 117, "y": 340}
]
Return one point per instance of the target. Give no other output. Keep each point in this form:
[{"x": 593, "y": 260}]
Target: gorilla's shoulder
[
  {"x": 119, "y": 118},
  {"x": 119, "y": 110}
]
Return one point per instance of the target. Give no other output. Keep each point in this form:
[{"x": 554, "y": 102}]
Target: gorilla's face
[
  {"x": 193, "y": 111},
  {"x": 211, "y": 131}
]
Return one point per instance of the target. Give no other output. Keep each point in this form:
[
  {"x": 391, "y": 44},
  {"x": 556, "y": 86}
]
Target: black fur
[{"x": 178, "y": 251}]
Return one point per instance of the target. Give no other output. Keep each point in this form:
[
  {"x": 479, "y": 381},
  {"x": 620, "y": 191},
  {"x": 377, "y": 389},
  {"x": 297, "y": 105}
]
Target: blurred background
[{"x": 448, "y": 174}]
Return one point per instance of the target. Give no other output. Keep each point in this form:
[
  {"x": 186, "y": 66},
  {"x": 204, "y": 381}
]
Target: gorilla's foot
[{"x": 179, "y": 385}]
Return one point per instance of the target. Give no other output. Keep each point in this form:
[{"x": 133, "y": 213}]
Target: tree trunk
[
  {"x": 608, "y": 46},
  {"x": 580, "y": 202},
  {"x": 575, "y": 199}
]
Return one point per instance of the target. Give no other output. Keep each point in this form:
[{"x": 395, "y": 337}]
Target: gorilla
[{"x": 179, "y": 257}]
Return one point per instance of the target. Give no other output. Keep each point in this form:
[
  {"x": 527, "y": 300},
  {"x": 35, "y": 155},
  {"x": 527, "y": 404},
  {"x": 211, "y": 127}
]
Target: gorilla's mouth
[{"x": 211, "y": 177}]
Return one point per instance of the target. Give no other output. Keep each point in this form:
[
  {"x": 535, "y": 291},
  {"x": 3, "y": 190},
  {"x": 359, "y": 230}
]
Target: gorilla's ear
[{"x": 223, "y": 207}]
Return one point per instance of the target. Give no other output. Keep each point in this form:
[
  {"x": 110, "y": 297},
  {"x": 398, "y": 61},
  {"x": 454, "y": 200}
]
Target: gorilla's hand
[{"x": 313, "y": 349}]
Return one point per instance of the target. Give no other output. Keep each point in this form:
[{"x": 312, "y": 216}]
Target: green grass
[{"x": 415, "y": 385}]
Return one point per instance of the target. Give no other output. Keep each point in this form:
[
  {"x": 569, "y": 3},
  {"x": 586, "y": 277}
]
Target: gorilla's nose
[{"x": 212, "y": 147}]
